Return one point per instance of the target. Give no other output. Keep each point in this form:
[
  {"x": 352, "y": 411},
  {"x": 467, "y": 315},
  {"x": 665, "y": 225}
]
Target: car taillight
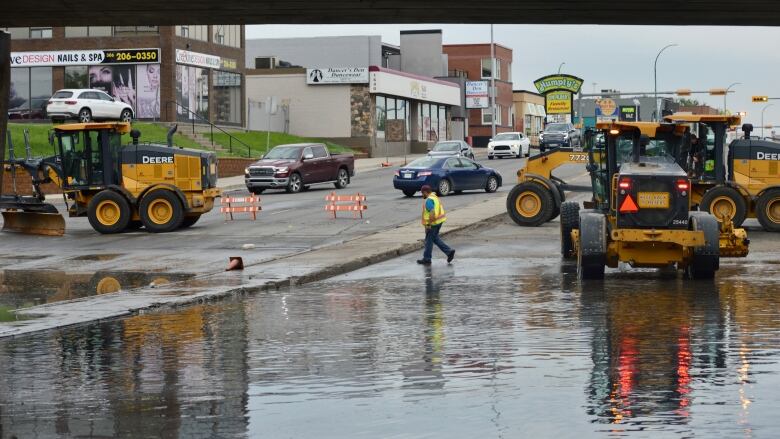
[
  {"x": 397, "y": 173},
  {"x": 624, "y": 185},
  {"x": 50, "y": 102},
  {"x": 683, "y": 185},
  {"x": 424, "y": 173},
  {"x": 71, "y": 102}
]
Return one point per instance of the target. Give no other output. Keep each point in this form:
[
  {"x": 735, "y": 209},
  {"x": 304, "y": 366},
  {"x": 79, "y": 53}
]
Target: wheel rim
[
  {"x": 126, "y": 116},
  {"x": 108, "y": 212},
  {"x": 295, "y": 183},
  {"x": 773, "y": 210},
  {"x": 84, "y": 116},
  {"x": 444, "y": 187},
  {"x": 723, "y": 207},
  {"x": 160, "y": 211},
  {"x": 342, "y": 177},
  {"x": 492, "y": 184},
  {"x": 528, "y": 204},
  {"x": 108, "y": 285}
]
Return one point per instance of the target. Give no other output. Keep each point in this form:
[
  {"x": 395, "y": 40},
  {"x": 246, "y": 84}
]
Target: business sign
[
  {"x": 558, "y": 102},
  {"x": 337, "y": 75},
  {"x": 411, "y": 86},
  {"x": 551, "y": 83},
  {"x": 606, "y": 110},
  {"x": 52, "y": 58},
  {"x": 629, "y": 113},
  {"x": 198, "y": 59},
  {"x": 477, "y": 94}
]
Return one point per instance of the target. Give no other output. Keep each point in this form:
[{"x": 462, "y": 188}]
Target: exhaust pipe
[{"x": 171, "y": 132}]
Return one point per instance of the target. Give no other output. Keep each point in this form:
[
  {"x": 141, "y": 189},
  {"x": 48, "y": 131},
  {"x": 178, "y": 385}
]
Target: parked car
[
  {"x": 450, "y": 148},
  {"x": 87, "y": 105},
  {"x": 509, "y": 145},
  {"x": 445, "y": 174},
  {"x": 559, "y": 134},
  {"x": 297, "y": 166}
]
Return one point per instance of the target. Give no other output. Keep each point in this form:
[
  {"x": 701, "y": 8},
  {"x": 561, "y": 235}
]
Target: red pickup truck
[{"x": 297, "y": 166}]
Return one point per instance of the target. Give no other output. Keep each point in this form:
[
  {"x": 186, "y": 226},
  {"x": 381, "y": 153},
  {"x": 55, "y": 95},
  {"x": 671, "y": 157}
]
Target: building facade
[
  {"x": 165, "y": 73},
  {"x": 474, "y": 60},
  {"x": 529, "y": 114},
  {"x": 384, "y": 99}
]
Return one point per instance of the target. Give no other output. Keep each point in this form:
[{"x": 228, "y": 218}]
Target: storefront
[
  {"x": 165, "y": 73},
  {"x": 530, "y": 111}
]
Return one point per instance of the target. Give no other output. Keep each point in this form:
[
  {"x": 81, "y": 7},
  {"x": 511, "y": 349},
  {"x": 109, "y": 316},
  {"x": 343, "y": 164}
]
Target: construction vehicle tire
[
  {"x": 189, "y": 221},
  {"x": 592, "y": 254},
  {"x": 768, "y": 210},
  {"x": 706, "y": 258},
  {"x": 725, "y": 201},
  {"x": 109, "y": 212},
  {"x": 570, "y": 220},
  {"x": 530, "y": 204},
  {"x": 161, "y": 211}
]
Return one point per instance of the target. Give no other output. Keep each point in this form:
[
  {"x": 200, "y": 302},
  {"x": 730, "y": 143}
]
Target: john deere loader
[
  {"x": 116, "y": 186},
  {"x": 639, "y": 213}
]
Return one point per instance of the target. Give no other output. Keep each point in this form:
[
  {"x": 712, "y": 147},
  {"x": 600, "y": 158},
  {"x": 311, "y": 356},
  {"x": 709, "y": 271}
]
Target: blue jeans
[{"x": 432, "y": 237}]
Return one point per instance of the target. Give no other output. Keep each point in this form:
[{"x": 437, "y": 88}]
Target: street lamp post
[
  {"x": 559, "y": 67},
  {"x": 492, "y": 85},
  {"x": 655, "y": 77},
  {"x": 725, "y": 95},
  {"x": 762, "y": 118}
]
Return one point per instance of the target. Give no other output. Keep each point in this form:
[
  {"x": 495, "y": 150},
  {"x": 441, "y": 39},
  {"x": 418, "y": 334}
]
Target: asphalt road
[{"x": 288, "y": 223}]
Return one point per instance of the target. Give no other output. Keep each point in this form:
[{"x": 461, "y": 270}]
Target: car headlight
[
  {"x": 281, "y": 170},
  {"x": 541, "y": 135},
  {"x": 246, "y": 171},
  {"x": 565, "y": 135}
]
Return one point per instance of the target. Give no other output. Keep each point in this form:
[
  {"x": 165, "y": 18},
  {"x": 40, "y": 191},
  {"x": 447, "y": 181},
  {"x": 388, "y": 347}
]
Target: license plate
[
  {"x": 653, "y": 200},
  {"x": 407, "y": 175}
]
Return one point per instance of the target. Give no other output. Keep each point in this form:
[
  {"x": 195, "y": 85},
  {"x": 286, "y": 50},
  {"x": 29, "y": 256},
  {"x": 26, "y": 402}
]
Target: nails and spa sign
[
  {"x": 558, "y": 91},
  {"x": 84, "y": 57}
]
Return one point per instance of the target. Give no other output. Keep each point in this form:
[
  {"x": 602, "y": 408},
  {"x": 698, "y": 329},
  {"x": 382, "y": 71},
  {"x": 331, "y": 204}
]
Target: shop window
[
  {"x": 442, "y": 123},
  {"x": 227, "y": 97},
  {"x": 30, "y": 92},
  {"x": 118, "y": 81},
  {"x": 381, "y": 116},
  {"x": 76, "y": 77},
  {"x": 148, "y": 91},
  {"x": 192, "y": 93}
]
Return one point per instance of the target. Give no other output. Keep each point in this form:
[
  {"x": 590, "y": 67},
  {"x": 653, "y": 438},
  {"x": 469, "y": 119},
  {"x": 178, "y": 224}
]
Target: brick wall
[
  {"x": 230, "y": 167},
  {"x": 24, "y": 184}
]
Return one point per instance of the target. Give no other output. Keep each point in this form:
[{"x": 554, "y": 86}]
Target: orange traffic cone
[{"x": 236, "y": 263}]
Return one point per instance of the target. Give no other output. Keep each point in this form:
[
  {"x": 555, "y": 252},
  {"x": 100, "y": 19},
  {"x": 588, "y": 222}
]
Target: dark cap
[{"x": 426, "y": 189}]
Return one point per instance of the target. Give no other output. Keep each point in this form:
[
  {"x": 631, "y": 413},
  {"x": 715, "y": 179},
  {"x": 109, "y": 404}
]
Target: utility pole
[{"x": 492, "y": 85}]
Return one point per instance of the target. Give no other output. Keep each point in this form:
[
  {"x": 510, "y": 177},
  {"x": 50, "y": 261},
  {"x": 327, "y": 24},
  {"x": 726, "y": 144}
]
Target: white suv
[
  {"x": 512, "y": 144},
  {"x": 87, "y": 105}
]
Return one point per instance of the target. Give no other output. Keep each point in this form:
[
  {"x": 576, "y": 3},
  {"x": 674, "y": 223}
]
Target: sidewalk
[{"x": 361, "y": 165}]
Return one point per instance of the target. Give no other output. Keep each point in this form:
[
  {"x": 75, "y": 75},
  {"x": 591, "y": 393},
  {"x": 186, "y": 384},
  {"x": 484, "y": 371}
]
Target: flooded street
[{"x": 488, "y": 347}]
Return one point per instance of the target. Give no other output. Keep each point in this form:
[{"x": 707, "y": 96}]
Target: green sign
[{"x": 558, "y": 83}]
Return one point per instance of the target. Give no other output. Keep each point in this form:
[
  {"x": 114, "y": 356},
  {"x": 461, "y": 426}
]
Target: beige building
[{"x": 529, "y": 114}]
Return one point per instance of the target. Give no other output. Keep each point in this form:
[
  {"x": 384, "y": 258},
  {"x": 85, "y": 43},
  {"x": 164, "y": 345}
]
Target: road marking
[{"x": 280, "y": 211}]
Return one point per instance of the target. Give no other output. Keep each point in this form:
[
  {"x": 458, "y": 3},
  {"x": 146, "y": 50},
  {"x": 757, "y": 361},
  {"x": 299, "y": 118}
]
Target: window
[
  {"x": 23, "y": 33},
  {"x": 100, "y": 31},
  {"x": 40, "y": 32},
  {"x": 227, "y": 96},
  {"x": 487, "y": 68},
  {"x": 194, "y": 32},
  {"x": 319, "y": 152},
  {"x": 192, "y": 93},
  {"x": 452, "y": 163},
  {"x": 467, "y": 164},
  {"x": 30, "y": 91},
  {"x": 92, "y": 31},
  {"x": 307, "y": 152},
  {"x": 76, "y": 31},
  {"x": 62, "y": 95},
  {"x": 486, "y": 115},
  {"x": 227, "y": 35},
  {"x": 381, "y": 117},
  {"x": 104, "y": 97},
  {"x": 134, "y": 30}
]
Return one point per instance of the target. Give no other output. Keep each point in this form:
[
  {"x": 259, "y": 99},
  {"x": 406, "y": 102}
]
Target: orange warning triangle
[{"x": 628, "y": 205}]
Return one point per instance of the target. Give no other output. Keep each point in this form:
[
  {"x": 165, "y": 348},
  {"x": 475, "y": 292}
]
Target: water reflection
[{"x": 439, "y": 352}]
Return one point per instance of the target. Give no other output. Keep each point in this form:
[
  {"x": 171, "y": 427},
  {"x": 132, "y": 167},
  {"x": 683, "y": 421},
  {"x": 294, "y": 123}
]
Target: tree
[{"x": 685, "y": 102}]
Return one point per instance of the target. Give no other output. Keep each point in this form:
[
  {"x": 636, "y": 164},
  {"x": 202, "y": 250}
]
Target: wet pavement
[{"x": 491, "y": 346}]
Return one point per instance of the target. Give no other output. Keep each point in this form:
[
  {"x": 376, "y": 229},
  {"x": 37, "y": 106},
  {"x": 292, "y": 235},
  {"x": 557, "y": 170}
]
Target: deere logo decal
[
  {"x": 146, "y": 159},
  {"x": 550, "y": 83}
]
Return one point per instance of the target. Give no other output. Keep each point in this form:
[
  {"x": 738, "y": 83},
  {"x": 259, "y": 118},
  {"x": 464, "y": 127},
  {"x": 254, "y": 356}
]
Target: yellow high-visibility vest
[{"x": 437, "y": 215}]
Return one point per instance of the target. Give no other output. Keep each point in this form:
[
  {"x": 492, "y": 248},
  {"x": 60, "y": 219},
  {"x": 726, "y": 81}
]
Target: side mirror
[
  {"x": 51, "y": 137},
  {"x": 308, "y": 156}
]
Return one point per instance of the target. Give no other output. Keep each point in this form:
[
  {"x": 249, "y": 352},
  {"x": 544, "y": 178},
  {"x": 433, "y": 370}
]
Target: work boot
[
  {"x": 423, "y": 262},
  {"x": 451, "y": 256}
]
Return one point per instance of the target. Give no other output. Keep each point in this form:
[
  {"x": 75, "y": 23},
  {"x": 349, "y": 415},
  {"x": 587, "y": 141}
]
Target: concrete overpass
[{"x": 172, "y": 12}]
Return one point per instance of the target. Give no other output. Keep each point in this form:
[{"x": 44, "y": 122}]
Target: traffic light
[
  {"x": 760, "y": 98},
  {"x": 683, "y": 92}
]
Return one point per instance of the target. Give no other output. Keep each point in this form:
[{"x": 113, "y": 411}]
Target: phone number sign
[{"x": 84, "y": 57}]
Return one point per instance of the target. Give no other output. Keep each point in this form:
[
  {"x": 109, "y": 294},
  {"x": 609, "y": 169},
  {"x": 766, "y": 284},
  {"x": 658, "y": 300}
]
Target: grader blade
[{"x": 33, "y": 223}]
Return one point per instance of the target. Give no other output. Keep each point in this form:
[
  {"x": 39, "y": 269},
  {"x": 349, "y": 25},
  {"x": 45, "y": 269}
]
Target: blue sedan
[{"x": 444, "y": 175}]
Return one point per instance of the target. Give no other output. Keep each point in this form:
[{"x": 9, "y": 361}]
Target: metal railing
[{"x": 196, "y": 116}]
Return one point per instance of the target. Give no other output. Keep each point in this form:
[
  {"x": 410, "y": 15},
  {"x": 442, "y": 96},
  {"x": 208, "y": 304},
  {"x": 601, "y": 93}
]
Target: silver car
[{"x": 456, "y": 148}]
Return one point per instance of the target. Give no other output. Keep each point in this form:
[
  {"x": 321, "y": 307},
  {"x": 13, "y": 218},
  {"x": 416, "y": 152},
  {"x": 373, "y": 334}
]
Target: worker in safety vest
[{"x": 433, "y": 217}]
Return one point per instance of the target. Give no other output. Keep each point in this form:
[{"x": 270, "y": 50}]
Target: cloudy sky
[{"x": 615, "y": 57}]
